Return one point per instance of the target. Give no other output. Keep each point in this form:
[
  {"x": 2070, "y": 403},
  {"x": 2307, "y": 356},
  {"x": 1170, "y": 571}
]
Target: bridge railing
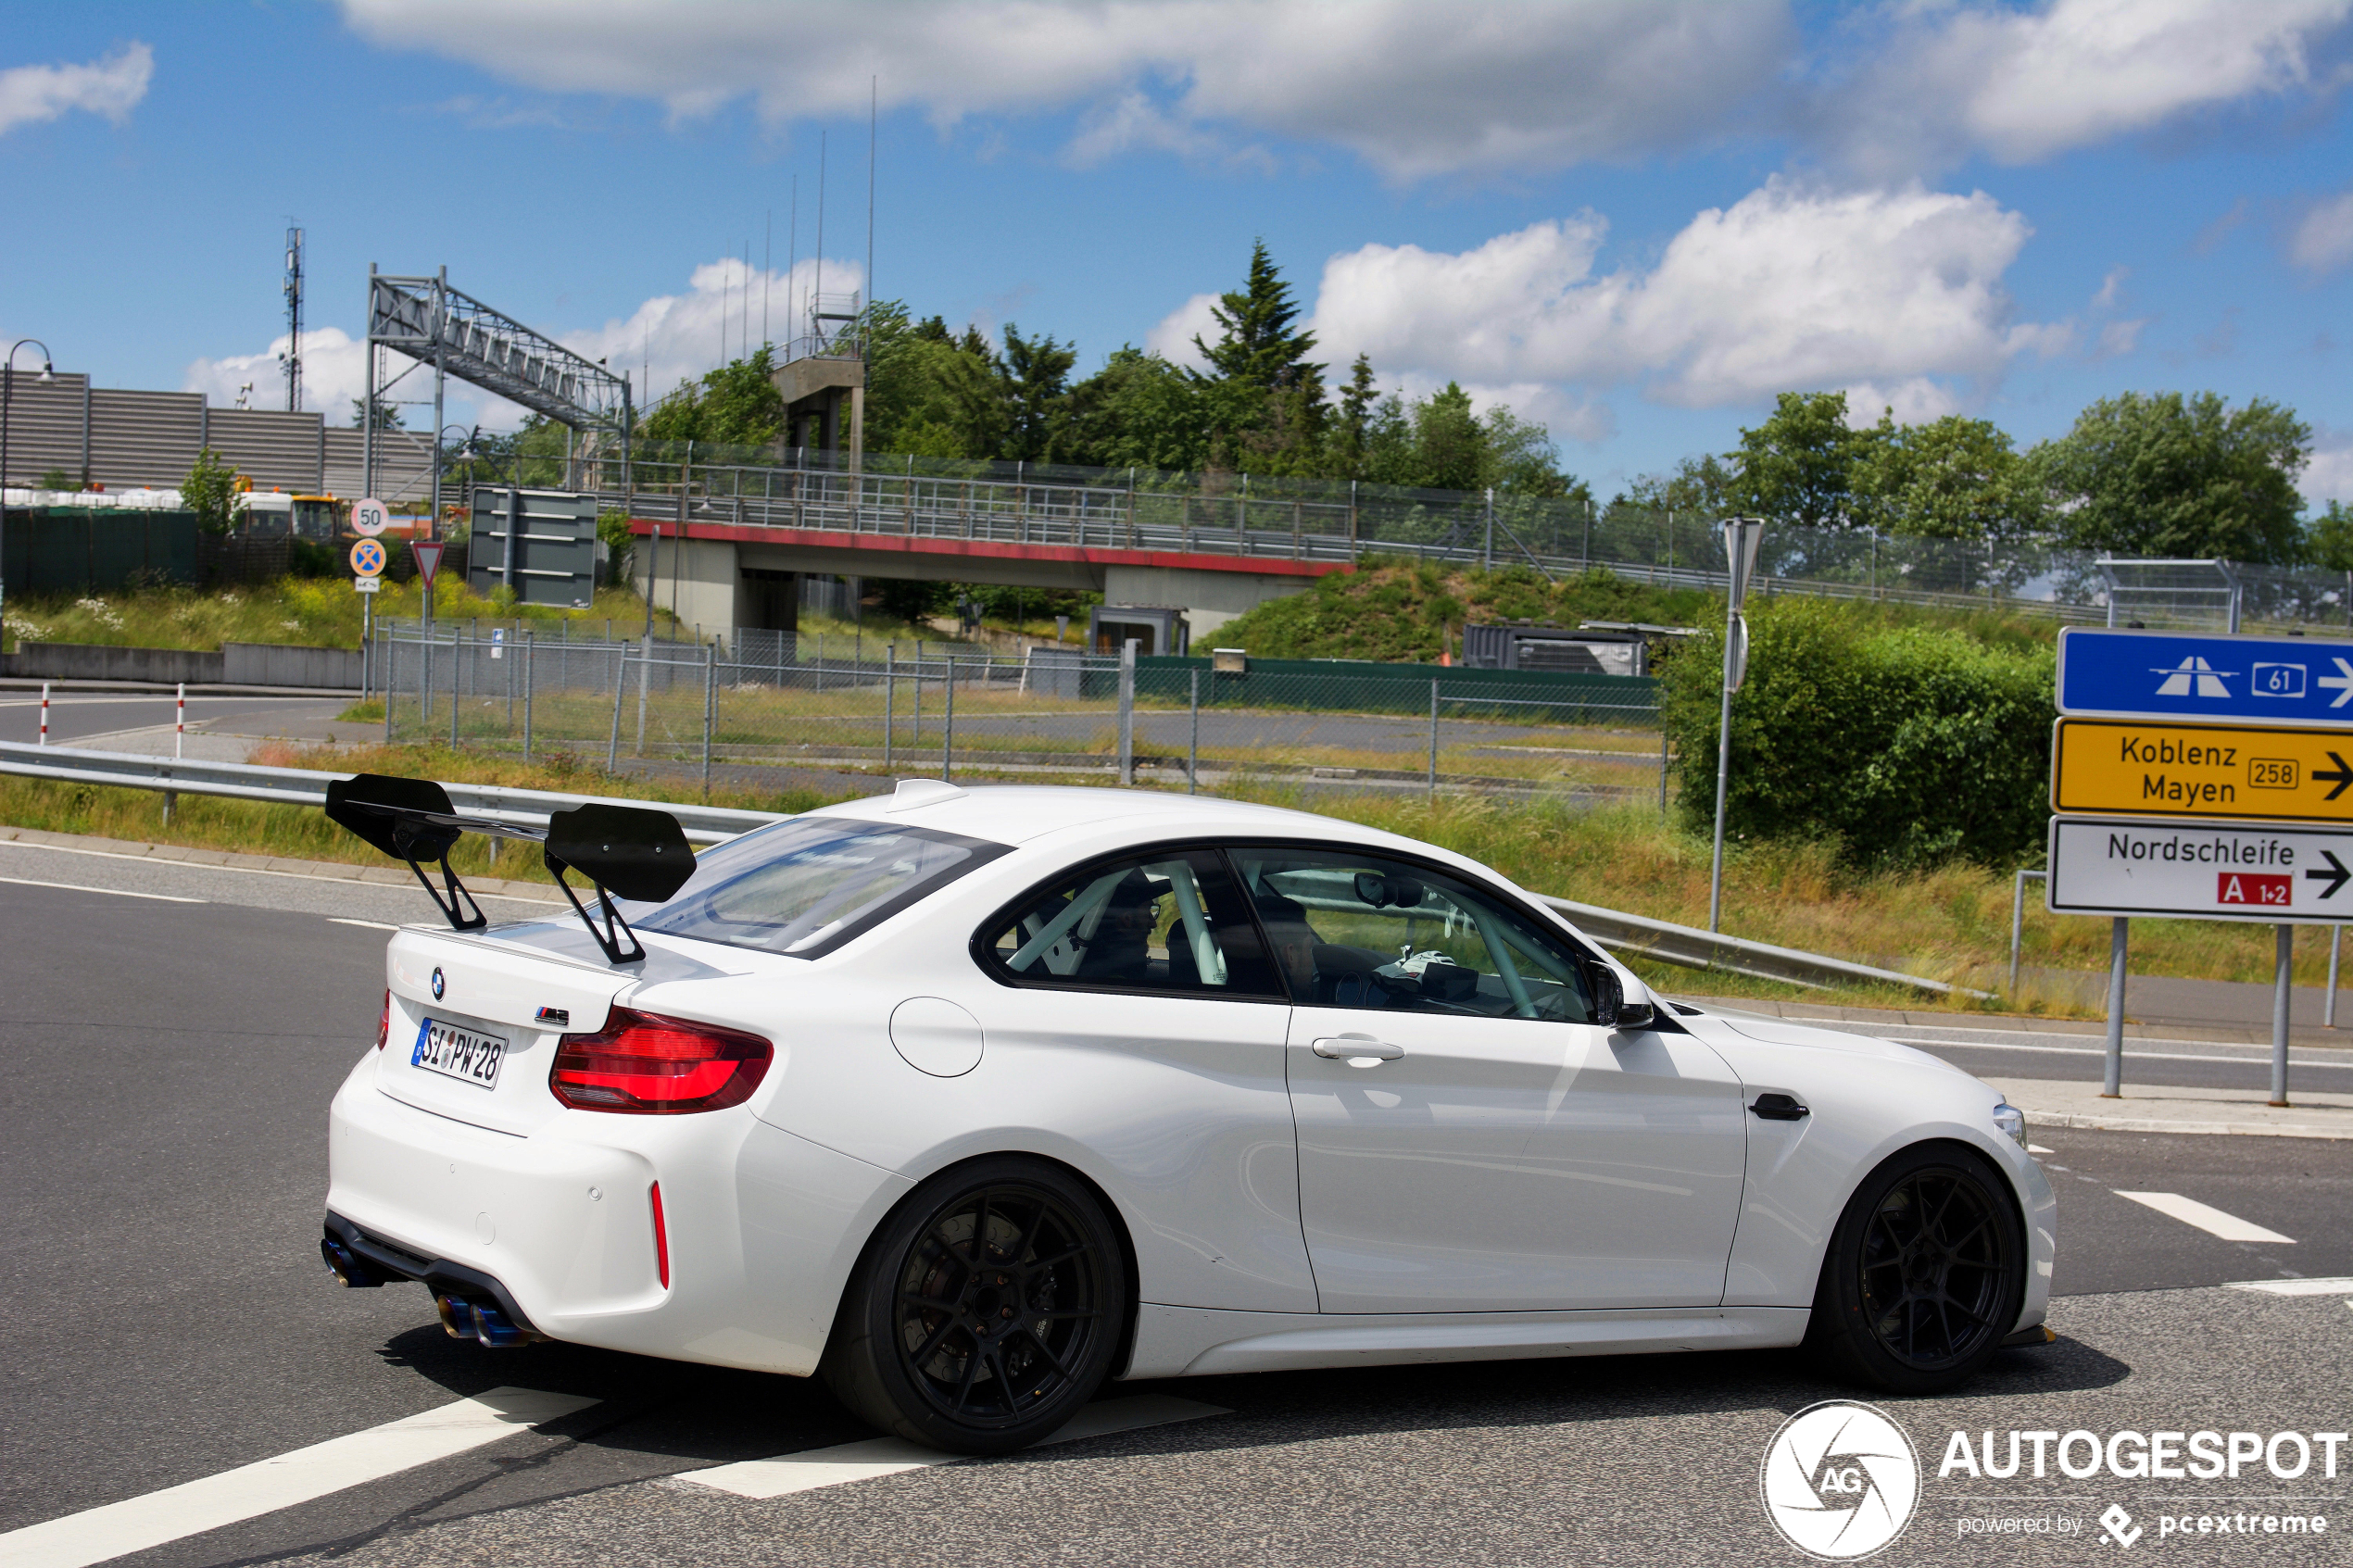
[{"x": 1319, "y": 520}]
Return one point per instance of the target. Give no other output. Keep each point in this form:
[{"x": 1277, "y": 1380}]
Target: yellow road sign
[{"x": 2121, "y": 768}]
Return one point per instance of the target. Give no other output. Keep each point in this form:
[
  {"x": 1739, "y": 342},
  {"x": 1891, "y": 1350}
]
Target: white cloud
[
  {"x": 111, "y": 86},
  {"x": 2323, "y": 239},
  {"x": 676, "y": 337},
  {"x": 2329, "y": 476},
  {"x": 1915, "y": 401},
  {"x": 1414, "y": 88},
  {"x": 1173, "y": 338},
  {"x": 2111, "y": 288},
  {"x": 668, "y": 339},
  {"x": 2024, "y": 85},
  {"x": 2119, "y": 338},
  {"x": 333, "y": 372},
  {"x": 1788, "y": 288}
]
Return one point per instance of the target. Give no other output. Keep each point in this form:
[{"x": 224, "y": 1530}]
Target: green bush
[{"x": 1906, "y": 744}]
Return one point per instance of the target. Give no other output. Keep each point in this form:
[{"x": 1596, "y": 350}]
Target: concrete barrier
[
  {"x": 96, "y": 661},
  {"x": 275, "y": 664},
  {"x": 238, "y": 664}
]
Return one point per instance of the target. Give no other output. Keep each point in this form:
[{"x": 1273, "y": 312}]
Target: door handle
[
  {"x": 1778, "y": 1108},
  {"x": 1355, "y": 1049}
]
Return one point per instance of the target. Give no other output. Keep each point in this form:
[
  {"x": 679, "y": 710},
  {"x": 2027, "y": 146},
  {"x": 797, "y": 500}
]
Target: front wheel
[
  {"x": 1925, "y": 1275},
  {"x": 985, "y": 1312}
]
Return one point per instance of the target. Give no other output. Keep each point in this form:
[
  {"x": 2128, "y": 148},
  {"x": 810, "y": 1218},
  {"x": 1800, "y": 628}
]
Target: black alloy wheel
[
  {"x": 986, "y": 1310},
  {"x": 1925, "y": 1274}
]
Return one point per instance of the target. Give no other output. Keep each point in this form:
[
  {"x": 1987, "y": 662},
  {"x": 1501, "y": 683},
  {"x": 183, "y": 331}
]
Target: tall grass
[{"x": 311, "y": 612}]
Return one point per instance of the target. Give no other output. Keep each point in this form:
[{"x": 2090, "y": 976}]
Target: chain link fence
[{"x": 933, "y": 710}]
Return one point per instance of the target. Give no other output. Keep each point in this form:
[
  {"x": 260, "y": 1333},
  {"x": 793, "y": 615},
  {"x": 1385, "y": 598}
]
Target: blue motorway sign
[{"x": 2178, "y": 675}]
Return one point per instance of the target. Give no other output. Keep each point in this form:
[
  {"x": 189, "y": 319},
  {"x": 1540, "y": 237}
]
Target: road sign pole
[
  {"x": 2282, "y": 998},
  {"x": 2119, "y": 939},
  {"x": 2337, "y": 949},
  {"x": 1742, "y": 536}
]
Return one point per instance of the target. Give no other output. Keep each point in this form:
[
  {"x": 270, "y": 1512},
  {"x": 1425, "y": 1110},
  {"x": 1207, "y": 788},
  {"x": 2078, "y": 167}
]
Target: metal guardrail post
[
  {"x": 891, "y": 695},
  {"x": 527, "y": 676},
  {"x": 645, "y": 679},
  {"x": 1433, "y": 737},
  {"x": 1662, "y": 765},
  {"x": 620, "y": 684},
  {"x": 710, "y": 699},
  {"x": 1192, "y": 749},
  {"x": 2018, "y": 915},
  {"x": 391, "y": 645},
  {"x": 456, "y": 666},
  {"x": 1128, "y": 713},
  {"x": 948, "y": 726}
]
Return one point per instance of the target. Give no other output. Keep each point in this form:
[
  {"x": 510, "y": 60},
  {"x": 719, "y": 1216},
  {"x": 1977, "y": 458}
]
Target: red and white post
[
  {"x": 179, "y": 722},
  {"x": 45, "y": 713}
]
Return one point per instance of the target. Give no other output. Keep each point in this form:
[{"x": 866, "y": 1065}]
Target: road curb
[{"x": 2156, "y": 1124}]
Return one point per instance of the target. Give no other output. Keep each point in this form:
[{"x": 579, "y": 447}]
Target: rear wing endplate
[{"x": 630, "y": 851}]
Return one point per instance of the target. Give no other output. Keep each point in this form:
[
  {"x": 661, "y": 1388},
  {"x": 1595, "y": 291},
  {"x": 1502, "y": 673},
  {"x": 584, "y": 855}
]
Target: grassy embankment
[
  {"x": 308, "y": 612},
  {"x": 1397, "y": 610}
]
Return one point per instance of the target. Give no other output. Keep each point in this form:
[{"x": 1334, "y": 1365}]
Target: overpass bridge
[{"x": 731, "y": 539}]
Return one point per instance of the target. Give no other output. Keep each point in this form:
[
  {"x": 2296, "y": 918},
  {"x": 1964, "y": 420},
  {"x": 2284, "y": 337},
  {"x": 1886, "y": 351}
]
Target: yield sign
[{"x": 428, "y": 553}]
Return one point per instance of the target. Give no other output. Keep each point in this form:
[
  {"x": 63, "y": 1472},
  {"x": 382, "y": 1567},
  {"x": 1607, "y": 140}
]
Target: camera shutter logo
[{"x": 1840, "y": 1480}]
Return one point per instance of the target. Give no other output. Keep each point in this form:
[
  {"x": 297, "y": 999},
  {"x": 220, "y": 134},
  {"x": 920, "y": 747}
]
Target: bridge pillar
[{"x": 1208, "y": 598}]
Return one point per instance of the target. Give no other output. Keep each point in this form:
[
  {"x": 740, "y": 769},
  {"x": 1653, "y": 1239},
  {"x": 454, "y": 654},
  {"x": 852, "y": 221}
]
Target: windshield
[{"x": 804, "y": 888}]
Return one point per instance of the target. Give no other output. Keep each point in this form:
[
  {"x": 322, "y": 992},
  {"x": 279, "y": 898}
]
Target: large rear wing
[{"x": 630, "y": 851}]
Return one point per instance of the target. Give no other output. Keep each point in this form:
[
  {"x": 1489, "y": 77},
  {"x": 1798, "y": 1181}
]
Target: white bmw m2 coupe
[{"x": 970, "y": 1100}]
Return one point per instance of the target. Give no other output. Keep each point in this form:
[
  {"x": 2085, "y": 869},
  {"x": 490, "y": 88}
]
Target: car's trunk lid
[{"x": 477, "y": 1017}]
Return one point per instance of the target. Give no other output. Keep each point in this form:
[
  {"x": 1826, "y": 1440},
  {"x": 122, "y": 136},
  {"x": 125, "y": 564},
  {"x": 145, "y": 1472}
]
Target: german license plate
[{"x": 453, "y": 1052}]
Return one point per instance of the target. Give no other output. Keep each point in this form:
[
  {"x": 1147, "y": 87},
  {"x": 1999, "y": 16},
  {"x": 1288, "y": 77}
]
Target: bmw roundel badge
[{"x": 438, "y": 986}]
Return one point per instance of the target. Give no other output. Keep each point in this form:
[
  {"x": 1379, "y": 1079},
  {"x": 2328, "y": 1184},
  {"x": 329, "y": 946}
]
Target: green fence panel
[{"x": 96, "y": 550}]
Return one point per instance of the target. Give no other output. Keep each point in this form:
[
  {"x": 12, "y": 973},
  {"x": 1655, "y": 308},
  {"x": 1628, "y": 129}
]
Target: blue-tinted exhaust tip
[{"x": 350, "y": 1271}]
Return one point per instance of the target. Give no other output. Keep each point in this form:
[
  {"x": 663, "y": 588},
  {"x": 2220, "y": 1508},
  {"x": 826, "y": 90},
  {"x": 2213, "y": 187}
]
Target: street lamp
[{"x": 7, "y": 394}]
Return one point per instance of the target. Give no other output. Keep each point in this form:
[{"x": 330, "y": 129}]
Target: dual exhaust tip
[{"x": 485, "y": 1322}]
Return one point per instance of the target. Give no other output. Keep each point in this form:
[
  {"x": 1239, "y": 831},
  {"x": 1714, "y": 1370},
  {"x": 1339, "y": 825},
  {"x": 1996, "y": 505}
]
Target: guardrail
[
  {"x": 1683, "y": 946},
  {"x": 307, "y": 787}
]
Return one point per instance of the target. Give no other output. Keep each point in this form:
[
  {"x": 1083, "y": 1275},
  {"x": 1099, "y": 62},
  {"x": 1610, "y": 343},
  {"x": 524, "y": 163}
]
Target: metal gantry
[{"x": 458, "y": 336}]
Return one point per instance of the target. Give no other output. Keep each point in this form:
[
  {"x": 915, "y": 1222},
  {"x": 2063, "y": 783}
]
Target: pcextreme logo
[{"x": 1840, "y": 1480}]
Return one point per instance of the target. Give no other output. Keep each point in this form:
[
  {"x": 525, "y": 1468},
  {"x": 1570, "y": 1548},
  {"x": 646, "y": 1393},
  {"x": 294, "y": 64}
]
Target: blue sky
[{"x": 1635, "y": 219}]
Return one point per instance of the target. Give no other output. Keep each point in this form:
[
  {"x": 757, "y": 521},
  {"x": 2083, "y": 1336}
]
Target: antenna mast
[{"x": 292, "y": 357}]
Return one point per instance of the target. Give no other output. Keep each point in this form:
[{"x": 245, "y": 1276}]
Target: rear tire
[
  {"x": 1925, "y": 1275},
  {"x": 986, "y": 1310}
]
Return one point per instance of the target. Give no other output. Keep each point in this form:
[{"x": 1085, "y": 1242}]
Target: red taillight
[
  {"x": 661, "y": 1240},
  {"x": 645, "y": 1065},
  {"x": 384, "y": 1022}
]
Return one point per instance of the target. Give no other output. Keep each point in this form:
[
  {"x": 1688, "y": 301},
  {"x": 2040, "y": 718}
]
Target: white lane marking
[
  {"x": 242, "y": 870},
  {"x": 807, "y": 1472},
  {"x": 2036, "y": 1149},
  {"x": 2211, "y": 1220},
  {"x": 2338, "y": 1286},
  {"x": 370, "y": 924},
  {"x": 117, "y": 892},
  {"x": 252, "y": 1490}
]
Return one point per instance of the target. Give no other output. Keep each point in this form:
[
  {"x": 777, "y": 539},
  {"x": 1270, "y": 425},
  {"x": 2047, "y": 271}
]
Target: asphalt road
[
  {"x": 163, "y": 1318},
  {"x": 87, "y": 719}
]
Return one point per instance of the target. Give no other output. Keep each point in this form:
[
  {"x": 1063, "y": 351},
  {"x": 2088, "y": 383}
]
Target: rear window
[{"x": 804, "y": 888}]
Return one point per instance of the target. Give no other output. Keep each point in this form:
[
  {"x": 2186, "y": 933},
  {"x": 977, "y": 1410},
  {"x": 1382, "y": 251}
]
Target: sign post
[
  {"x": 1742, "y": 537},
  {"x": 367, "y": 563},
  {"x": 2173, "y": 754}
]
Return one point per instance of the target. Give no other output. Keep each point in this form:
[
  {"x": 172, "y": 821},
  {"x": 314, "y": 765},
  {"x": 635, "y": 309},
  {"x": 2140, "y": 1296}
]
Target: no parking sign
[{"x": 368, "y": 558}]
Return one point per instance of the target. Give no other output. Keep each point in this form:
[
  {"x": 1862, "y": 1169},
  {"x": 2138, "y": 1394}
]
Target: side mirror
[{"x": 1612, "y": 1010}]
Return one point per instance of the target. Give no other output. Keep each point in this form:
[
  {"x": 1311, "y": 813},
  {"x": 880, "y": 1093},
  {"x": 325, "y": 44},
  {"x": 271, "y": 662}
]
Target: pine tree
[{"x": 1256, "y": 343}]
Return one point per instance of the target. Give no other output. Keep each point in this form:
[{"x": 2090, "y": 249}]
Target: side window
[
  {"x": 1364, "y": 931},
  {"x": 1166, "y": 923}
]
